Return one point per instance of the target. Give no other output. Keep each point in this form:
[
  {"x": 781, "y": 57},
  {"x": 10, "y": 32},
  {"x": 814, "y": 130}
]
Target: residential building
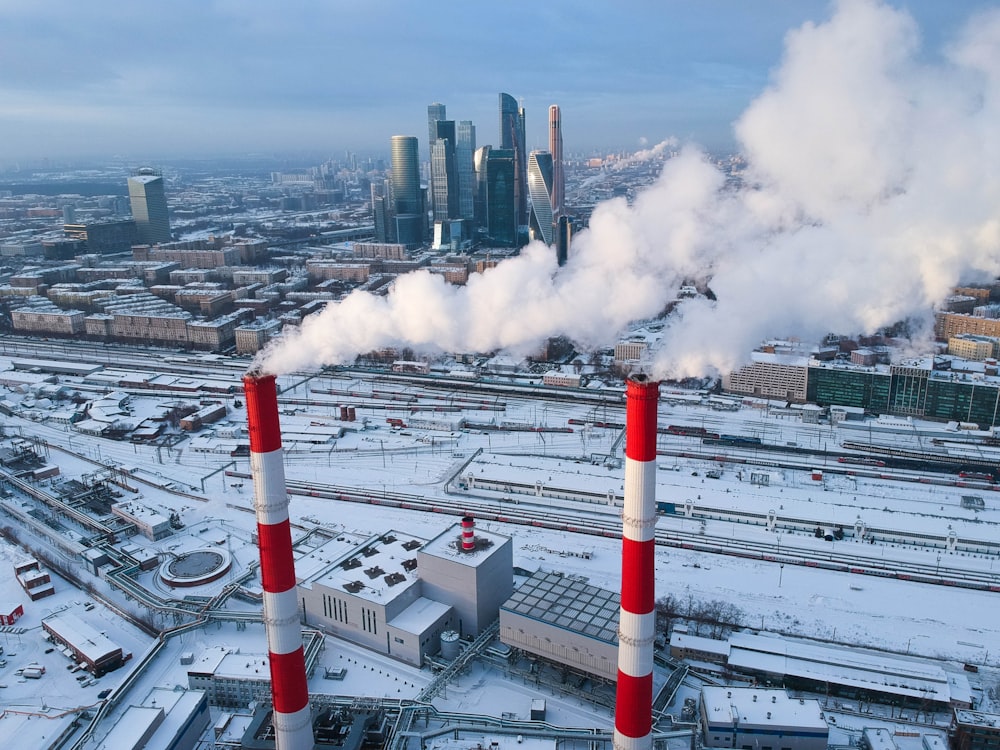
[{"x": 770, "y": 375}]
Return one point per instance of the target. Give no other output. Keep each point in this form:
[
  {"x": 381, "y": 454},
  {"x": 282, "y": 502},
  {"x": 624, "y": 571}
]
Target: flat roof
[
  {"x": 568, "y": 603},
  {"x": 760, "y": 707},
  {"x": 94, "y": 645},
  {"x": 419, "y": 616},
  {"x": 854, "y": 667},
  {"x": 978, "y": 718},
  {"x": 378, "y": 569},
  {"x": 448, "y": 545}
]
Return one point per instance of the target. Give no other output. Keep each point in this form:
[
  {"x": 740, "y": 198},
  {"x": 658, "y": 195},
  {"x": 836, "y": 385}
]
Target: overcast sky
[{"x": 223, "y": 77}]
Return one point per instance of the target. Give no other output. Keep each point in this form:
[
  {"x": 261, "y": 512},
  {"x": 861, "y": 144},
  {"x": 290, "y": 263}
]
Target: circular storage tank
[{"x": 449, "y": 645}]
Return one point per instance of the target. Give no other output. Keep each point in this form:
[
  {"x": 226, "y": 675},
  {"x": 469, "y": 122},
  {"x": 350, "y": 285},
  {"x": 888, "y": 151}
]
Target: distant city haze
[{"x": 148, "y": 82}]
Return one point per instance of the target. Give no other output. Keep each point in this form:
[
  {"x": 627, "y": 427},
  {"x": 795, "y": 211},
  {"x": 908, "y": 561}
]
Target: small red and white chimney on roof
[
  {"x": 636, "y": 629},
  {"x": 468, "y": 534},
  {"x": 289, "y": 690}
]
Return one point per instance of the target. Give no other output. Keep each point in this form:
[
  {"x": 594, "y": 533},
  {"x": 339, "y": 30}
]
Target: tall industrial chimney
[
  {"x": 289, "y": 691},
  {"x": 636, "y": 629}
]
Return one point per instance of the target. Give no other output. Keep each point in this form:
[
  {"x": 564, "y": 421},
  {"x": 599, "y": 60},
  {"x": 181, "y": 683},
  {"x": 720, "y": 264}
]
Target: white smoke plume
[
  {"x": 873, "y": 188},
  {"x": 661, "y": 149}
]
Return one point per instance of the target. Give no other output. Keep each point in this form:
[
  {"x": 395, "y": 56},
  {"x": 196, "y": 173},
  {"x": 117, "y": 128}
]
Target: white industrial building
[
  {"x": 167, "y": 718},
  {"x": 566, "y": 620},
  {"x": 150, "y": 524},
  {"x": 808, "y": 665},
  {"x": 761, "y": 719},
  {"x": 396, "y": 593},
  {"x": 232, "y": 679}
]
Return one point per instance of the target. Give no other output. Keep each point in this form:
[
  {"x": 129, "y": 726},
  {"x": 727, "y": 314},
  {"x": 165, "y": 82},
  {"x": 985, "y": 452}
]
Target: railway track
[{"x": 855, "y": 562}]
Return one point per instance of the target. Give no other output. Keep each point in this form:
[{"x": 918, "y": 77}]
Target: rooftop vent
[
  {"x": 351, "y": 563},
  {"x": 410, "y": 565},
  {"x": 412, "y": 545},
  {"x": 353, "y": 587},
  {"x": 374, "y": 572},
  {"x": 393, "y": 578}
]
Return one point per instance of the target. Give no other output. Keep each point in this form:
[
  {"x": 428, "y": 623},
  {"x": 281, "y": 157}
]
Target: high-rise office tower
[
  {"x": 465, "y": 148},
  {"x": 444, "y": 176},
  {"x": 407, "y": 197},
  {"x": 479, "y": 160},
  {"x": 382, "y": 213},
  {"x": 512, "y": 137},
  {"x": 556, "y": 149},
  {"x": 149, "y": 206},
  {"x": 435, "y": 112},
  {"x": 540, "y": 190},
  {"x": 500, "y": 204}
]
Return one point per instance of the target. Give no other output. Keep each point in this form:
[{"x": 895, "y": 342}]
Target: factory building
[
  {"x": 231, "y": 679},
  {"x": 474, "y": 580},
  {"x": 98, "y": 653},
  {"x": 565, "y": 620},
  {"x": 835, "y": 670},
  {"x": 150, "y": 524},
  {"x": 761, "y": 719},
  {"x": 396, "y": 593},
  {"x": 165, "y": 718},
  {"x": 371, "y": 594}
]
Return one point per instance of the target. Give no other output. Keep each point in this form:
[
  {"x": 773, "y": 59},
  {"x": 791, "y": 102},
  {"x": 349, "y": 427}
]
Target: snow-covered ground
[{"x": 954, "y": 624}]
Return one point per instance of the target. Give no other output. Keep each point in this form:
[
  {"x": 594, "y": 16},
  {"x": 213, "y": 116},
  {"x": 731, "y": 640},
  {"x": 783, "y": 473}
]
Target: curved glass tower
[
  {"x": 540, "y": 190},
  {"x": 407, "y": 203}
]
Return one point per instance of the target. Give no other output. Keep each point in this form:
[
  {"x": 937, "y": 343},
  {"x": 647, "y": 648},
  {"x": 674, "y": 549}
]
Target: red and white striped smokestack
[
  {"x": 468, "y": 533},
  {"x": 289, "y": 691},
  {"x": 636, "y": 629}
]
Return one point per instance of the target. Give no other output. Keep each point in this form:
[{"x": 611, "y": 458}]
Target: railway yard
[{"x": 875, "y": 534}]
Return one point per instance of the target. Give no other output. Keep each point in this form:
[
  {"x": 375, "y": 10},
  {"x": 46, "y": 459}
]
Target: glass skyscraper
[
  {"x": 149, "y": 206},
  {"x": 407, "y": 198},
  {"x": 435, "y": 112},
  {"x": 444, "y": 177},
  {"x": 540, "y": 190},
  {"x": 556, "y": 149},
  {"x": 501, "y": 219},
  {"x": 465, "y": 147},
  {"x": 512, "y": 137}
]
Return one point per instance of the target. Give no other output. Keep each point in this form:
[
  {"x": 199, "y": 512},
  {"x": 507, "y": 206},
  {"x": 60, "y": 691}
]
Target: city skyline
[{"x": 228, "y": 78}]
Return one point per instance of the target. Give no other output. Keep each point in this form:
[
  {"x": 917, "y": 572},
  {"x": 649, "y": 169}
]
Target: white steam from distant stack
[{"x": 874, "y": 189}]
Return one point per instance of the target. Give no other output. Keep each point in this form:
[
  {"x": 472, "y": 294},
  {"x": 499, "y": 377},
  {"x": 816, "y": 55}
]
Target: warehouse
[{"x": 98, "y": 653}]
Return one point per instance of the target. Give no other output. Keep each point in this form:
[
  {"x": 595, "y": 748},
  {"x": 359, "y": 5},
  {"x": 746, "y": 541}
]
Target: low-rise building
[
  {"x": 231, "y": 679},
  {"x": 150, "y": 524},
  {"x": 90, "y": 647},
  {"x": 761, "y": 719},
  {"x": 975, "y": 730}
]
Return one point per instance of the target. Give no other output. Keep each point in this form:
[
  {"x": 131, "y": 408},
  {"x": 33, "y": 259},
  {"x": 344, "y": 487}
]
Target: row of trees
[{"x": 711, "y": 619}]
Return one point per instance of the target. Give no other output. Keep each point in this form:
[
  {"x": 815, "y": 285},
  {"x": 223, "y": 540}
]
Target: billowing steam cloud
[{"x": 873, "y": 188}]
